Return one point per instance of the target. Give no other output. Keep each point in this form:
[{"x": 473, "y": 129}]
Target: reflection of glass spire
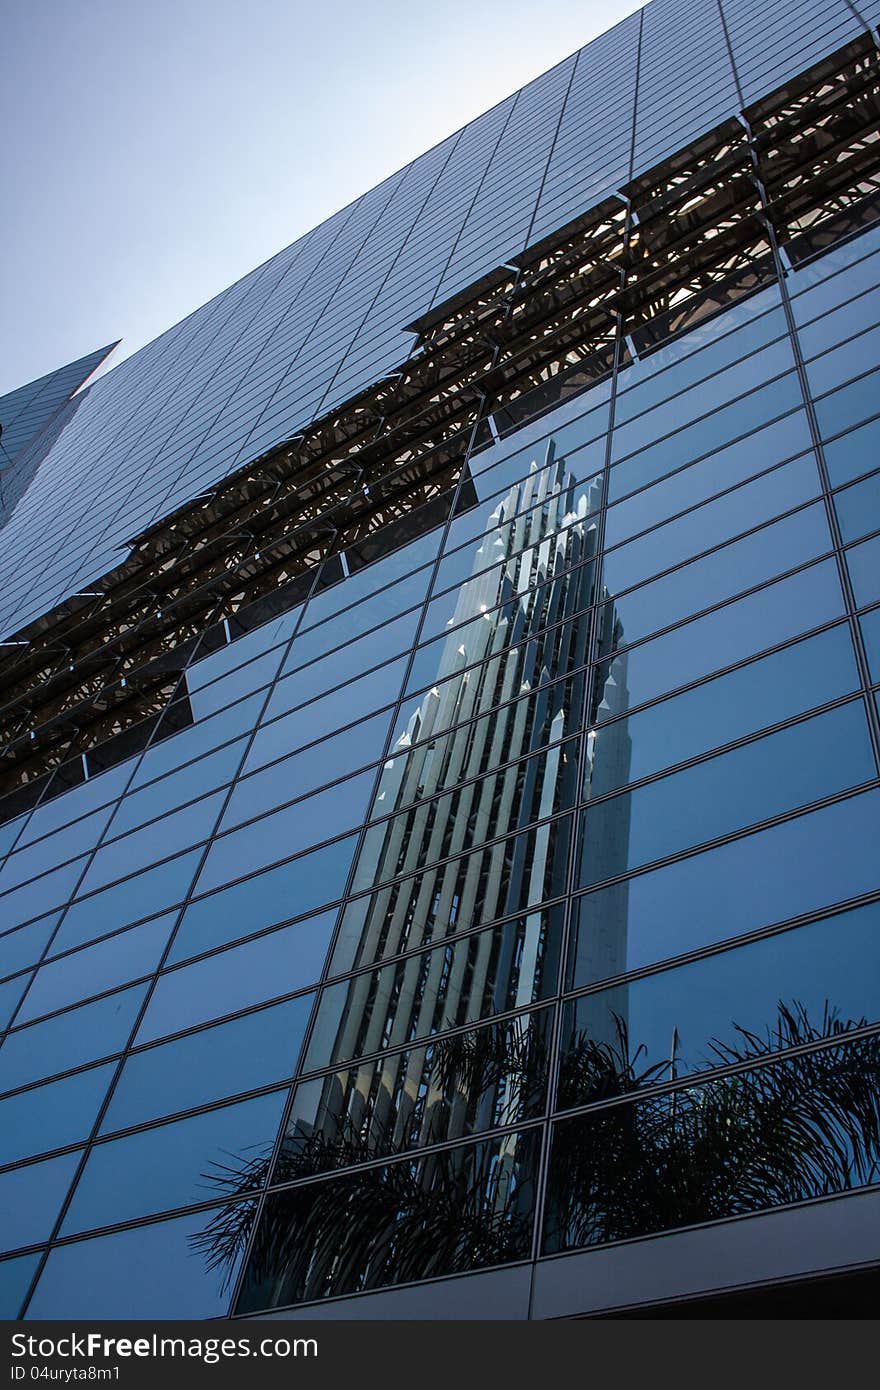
[{"x": 534, "y": 567}]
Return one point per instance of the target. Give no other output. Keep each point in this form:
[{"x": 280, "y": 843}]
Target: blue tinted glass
[
  {"x": 312, "y": 767},
  {"x": 870, "y": 625},
  {"x": 172, "y": 1165},
  {"x": 708, "y": 1005},
  {"x": 240, "y": 976},
  {"x": 320, "y": 816},
  {"x": 80, "y": 1035},
  {"x": 193, "y": 780},
  {"x": 155, "y": 1271},
  {"x": 137, "y": 897},
  {"x": 725, "y": 468},
  {"x": 333, "y": 710},
  {"x": 735, "y": 888},
  {"x": 858, "y": 508},
  {"x": 705, "y": 436},
  {"x": 241, "y": 1055},
  {"x": 202, "y": 736},
  {"x": 36, "y": 897},
  {"x": 52, "y": 1116},
  {"x": 343, "y": 662},
  {"x": 635, "y": 432},
  {"x": 112, "y": 962},
  {"x": 788, "y": 1132},
  {"x": 256, "y": 675},
  {"x": 10, "y": 993},
  {"x": 732, "y": 633},
  {"x": 15, "y": 1279},
  {"x": 30, "y": 1199},
  {"x": 711, "y": 524},
  {"x": 290, "y": 890},
  {"x": 851, "y": 403},
  {"x": 746, "y": 562},
  {"x": 25, "y": 945},
  {"x": 765, "y": 692},
  {"x": 863, "y": 562},
  {"x": 773, "y": 774},
  {"x": 45, "y": 854},
  {"x": 854, "y": 454},
  {"x": 158, "y": 840},
  {"x": 77, "y": 801}
]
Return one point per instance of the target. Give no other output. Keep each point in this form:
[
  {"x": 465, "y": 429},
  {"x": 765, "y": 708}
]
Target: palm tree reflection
[{"x": 777, "y": 1132}]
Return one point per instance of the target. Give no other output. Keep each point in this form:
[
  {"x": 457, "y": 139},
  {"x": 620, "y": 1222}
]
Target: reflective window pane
[
  {"x": 82, "y": 1034},
  {"x": 719, "y": 639},
  {"x": 241, "y": 1055},
  {"x": 461, "y": 1209},
  {"x": 765, "y": 692},
  {"x": 458, "y": 1086},
  {"x": 31, "y": 1197},
  {"x": 52, "y": 1116},
  {"x": 762, "y": 995},
  {"x": 764, "y": 778},
  {"x": 158, "y": 1271},
  {"x": 735, "y": 888},
  {"x": 114, "y": 961},
  {"x": 783, "y": 1133},
  {"x": 172, "y": 1165}
]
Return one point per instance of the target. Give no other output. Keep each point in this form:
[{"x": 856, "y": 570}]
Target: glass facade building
[{"x": 439, "y": 803}]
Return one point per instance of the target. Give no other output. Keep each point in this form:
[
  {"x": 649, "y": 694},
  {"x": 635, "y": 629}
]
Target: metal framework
[{"x": 678, "y": 244}]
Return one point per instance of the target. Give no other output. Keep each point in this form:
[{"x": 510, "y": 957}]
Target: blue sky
[{"x": 152, "y": 153}]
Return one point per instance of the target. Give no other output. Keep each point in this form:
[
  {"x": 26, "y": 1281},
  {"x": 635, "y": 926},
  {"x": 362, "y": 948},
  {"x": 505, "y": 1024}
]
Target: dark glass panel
[
  {"x": 735, "y": 888},
  {"x": 108, "y": 963},
  {"x": 455, "y": 1087},
  {"x": 53, "y": 1115},
  {"x": 782, "y": 1133},
  {"x": 766, "y": 691},
  {"x": 719, "y": 639},
  {"x": 493, "y": 882},
  {"x": 704, "y": 1014},
  {"x": 241, "y": 1055},
  {"x": 31, "y": 1197},
  {"x": 461, "y": 981},
  {"x": 773, "y": 774},
  {"x": 863, "y": 562},
  {"x": 158, "y": 1271},
  {"x": 451, "y": 1211},
  {"x": 172, "y": 1165},
  {"x": 70, "y": 1039}
]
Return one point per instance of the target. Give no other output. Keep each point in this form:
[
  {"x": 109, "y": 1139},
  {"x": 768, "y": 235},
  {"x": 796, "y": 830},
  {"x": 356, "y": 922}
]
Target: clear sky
[{"x": 153, "y": 151}]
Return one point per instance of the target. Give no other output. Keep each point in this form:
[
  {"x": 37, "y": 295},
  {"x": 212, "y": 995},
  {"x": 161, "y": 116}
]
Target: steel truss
[{"x": 678, "y": 244}]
